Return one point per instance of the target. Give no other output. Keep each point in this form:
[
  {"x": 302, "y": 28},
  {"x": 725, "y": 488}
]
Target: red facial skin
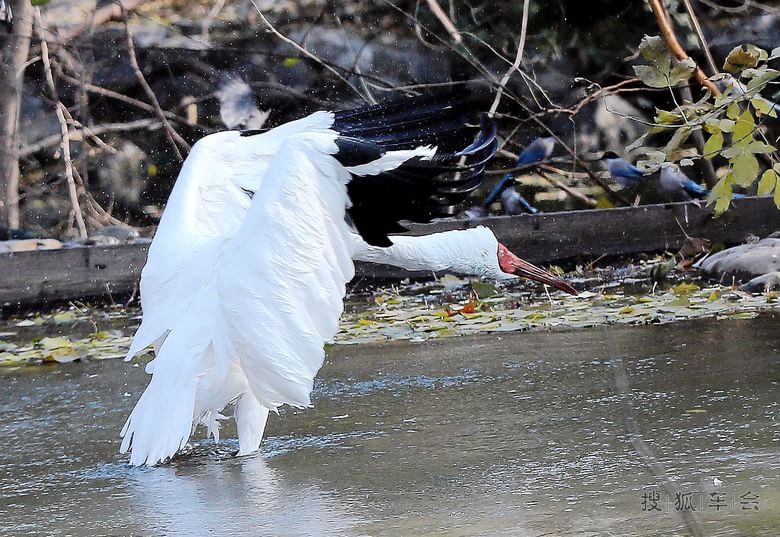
[{"x": 511, "y": 264}]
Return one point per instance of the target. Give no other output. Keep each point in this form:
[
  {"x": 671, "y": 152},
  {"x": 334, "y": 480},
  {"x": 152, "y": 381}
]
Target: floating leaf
[{"x": 685, "y": 288}]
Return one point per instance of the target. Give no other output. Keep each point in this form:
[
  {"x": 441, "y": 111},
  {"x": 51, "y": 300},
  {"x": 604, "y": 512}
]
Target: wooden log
[{"x": 103, "y": 272}]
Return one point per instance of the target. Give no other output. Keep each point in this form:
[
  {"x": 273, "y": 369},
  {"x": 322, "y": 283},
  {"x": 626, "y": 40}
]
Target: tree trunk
[{"x": 14, "y": 50}]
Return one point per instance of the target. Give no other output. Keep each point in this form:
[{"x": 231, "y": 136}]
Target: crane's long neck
[
  {"x": 457, "y": 251},
  {"x": 410, "y": 253}
]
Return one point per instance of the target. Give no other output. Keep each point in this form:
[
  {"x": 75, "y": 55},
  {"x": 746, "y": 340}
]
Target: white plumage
[{"x": 240, "y": 292}]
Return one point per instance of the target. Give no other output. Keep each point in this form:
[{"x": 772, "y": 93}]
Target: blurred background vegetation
[{"x": 133, "y": 86}]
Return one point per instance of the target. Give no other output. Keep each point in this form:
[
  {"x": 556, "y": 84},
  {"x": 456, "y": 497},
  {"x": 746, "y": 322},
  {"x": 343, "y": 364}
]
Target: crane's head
[
  {"x": 477, "y": 252},
  {"x": 509, "y": 263}
]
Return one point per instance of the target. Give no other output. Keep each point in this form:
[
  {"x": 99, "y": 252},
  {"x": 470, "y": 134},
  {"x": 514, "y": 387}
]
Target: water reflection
[{"x": 204, "y": 494}]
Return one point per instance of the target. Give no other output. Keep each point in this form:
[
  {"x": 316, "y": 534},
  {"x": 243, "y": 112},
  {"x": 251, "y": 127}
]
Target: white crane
[{"x": 246, "y": 274}]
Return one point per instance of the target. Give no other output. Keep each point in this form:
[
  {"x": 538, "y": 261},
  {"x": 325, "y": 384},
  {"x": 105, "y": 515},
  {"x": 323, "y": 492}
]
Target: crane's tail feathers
[
  {"x": 251, "y": 418},
  {"x": 159, "y": 425}
]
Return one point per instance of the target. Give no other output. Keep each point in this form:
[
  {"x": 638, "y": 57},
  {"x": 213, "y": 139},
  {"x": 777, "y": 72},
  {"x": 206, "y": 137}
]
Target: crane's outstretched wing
[
  {"x": 420, "y": 189},
  {"x": 282, "y": 278},
  {"x": 206, "y": 206}
]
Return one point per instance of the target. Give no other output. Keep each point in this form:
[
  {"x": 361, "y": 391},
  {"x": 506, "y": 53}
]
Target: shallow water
[{"x": 522, "y": 434}]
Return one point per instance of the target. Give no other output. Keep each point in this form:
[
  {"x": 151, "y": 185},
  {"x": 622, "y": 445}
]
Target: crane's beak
[
  {"x": 512, "y": 264},
  {"x": 532, "y": 272}
]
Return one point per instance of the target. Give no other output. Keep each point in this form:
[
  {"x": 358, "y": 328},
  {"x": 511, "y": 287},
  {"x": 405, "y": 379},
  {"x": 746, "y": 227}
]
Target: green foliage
[
  {"x": 39, "y": 2},
  {"x": 732, "y": 120},
  {"x": 663, "y": 70}
]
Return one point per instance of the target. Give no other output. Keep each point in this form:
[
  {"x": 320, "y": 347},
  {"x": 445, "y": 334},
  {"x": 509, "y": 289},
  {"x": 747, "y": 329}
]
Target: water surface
[{"x": 522, "y": 434}]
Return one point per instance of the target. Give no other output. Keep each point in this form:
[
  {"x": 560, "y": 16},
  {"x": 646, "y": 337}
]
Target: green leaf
[
  {"x": 741, "y": 58},
  {"x": 733, "y": 110},
  {"x": 760, "y": 147},
  {"x": 763, "y": 106},
  {"x": 654, "y": 50},
  {"x": 291, "y": 62},
  {"x": 713, "y": 145},
  {"x": 722, "y": 205},
  {"x": 746, "y": 169},
  {"x": 767, "y": 183},
  {"x": 727, "y": 125},
  {"x": 651, "y": 76},
  {"x": 759, "y": 78},
  {"x": 777, "y": 194},
  {"x": 682, "y": 71},
  {"x": 712, "y": 126},
  {"x": 743, "y": 130},
  {"x": 39, "y": 2},
  {"x": 721, "y": 187},
  {"x": 666, "y": 117}
]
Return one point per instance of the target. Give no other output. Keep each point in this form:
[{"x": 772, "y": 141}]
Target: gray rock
[
  {"x": 761, "y": 284},
  {"x": 745, "y": 261}
]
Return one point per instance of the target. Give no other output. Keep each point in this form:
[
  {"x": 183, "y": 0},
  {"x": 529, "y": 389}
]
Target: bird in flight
[{"x": 246, "y": 274}]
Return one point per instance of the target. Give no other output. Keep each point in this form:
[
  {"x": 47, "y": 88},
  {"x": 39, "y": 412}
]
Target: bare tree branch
[
  {"x": 79, "y": 133},
  {"x": 665, "y": 25},
  {"x": 516, "y": 64},
  {"x": 445, "y": 21},
  {"x": 15, "y": 49},
  {"x": 170, "y": 133},
  {"x": 65, "y": 140},
  {"x": 305, "y": 52}
]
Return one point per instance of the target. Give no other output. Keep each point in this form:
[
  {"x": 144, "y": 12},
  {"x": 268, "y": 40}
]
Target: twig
[
  {"x": 665, "y": 25},
  {"x": 95, "y": 129},
  {"x": 92, "y": 88},
  {"x": 515, "y": 65},
  {"x": 170, "y": 133},
  {"x": 305, "y": 52},
  {"x": 699, "y": 34},
  {"x": 445, "y": 21},
  {"x": 65, "y": 141},
  {"x": 587, "y": 200}
]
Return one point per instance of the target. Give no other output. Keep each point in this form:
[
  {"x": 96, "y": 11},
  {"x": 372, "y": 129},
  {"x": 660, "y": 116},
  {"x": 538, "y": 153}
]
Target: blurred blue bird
[
  {"x": 537, "y": 151},
  {"x": 677, "y": 185},
  {"x": 513, "y": 203},
  {"x": 626, "y": 174}
]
